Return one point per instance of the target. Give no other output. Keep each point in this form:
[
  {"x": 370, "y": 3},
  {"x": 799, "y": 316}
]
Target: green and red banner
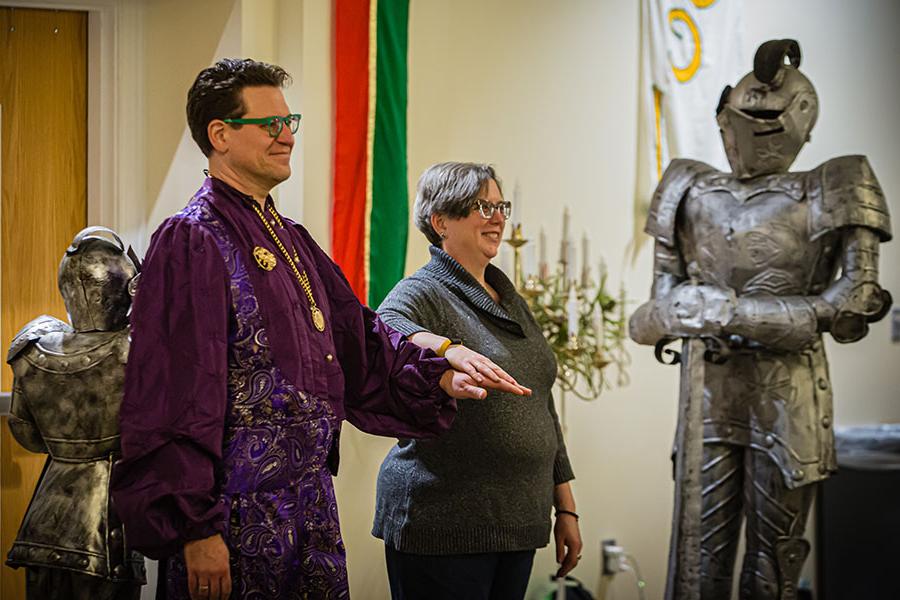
[{"x": 370, "y": 212}]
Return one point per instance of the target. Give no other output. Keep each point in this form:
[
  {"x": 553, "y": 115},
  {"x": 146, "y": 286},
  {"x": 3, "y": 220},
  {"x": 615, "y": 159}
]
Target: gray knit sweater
[{"x": 487, "y": 484}]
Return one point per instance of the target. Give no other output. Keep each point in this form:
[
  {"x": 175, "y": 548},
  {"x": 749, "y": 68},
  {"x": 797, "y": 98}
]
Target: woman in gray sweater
[{"x": 461, "y": 516}]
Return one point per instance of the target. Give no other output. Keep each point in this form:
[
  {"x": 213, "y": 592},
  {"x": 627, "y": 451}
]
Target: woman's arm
[
  {"x": 566, "y": 532},
  {"x": 478, "y": 367}
]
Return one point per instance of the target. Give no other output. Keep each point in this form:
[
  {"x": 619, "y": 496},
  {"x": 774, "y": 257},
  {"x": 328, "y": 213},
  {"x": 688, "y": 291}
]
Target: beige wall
[
  {"x": 175, "y": 49},
  {"x": 547, "y": 91}
]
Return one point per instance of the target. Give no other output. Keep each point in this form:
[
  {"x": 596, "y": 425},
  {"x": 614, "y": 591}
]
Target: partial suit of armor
[
  {"x": 765, "y": 261},
  {"x": 67, "y": 389}
]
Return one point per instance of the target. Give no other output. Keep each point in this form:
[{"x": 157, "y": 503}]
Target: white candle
[
  {"x": 570, "y": 260},
  {"x": 585, "y": 269},
  {"x": 572, "y": 312},
  {"x": 564, "y": 242},
  {"x": 542, "y": 253},
  {"x": 528, "y": 260},
  {"x": 584, "y": 248}
]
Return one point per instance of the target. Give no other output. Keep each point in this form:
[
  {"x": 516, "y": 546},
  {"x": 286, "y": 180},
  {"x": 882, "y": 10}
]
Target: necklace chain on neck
[{"x": 318, "y": 318}]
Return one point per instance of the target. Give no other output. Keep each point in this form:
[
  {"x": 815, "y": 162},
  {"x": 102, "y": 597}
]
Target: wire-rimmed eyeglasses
[{"x": 486, "y": 209}]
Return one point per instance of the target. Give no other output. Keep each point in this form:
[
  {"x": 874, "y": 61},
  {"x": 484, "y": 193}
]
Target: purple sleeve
[
  {"x": 391, "y": 386},
  {"x": 172, "y": 414}
]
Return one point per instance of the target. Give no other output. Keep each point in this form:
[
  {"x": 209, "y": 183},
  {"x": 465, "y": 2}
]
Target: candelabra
[{"x": 584, "y": 324}]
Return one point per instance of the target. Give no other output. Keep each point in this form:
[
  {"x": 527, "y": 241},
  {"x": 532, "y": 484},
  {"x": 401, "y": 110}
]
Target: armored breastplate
[
  {"x": 73, "y": 383},
  {"x": 754, "y": 236}
]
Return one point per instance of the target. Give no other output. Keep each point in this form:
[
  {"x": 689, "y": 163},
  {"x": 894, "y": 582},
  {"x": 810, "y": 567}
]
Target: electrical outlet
[{"x": 612, "y": 557}]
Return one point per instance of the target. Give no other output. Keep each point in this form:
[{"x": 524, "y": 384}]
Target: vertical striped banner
[{"x": 370, "y": 212}]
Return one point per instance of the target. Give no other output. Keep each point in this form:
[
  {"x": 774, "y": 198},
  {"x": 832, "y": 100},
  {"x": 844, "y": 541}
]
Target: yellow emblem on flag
[{"x": 265, "y": 259}]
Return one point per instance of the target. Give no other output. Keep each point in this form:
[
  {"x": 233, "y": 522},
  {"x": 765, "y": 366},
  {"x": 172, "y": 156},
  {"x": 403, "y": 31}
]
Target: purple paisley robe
[{"x": 233, "y": 400}]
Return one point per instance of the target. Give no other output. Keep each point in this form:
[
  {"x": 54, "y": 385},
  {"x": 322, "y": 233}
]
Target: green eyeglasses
[{"x": 273, "y": 125}]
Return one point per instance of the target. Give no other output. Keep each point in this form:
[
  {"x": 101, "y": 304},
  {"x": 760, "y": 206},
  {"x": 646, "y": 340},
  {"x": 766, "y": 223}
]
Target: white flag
[{"x": 690, "y": 50}]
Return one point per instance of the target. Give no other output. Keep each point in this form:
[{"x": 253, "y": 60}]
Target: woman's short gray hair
[{"x": 450, "y": 189}]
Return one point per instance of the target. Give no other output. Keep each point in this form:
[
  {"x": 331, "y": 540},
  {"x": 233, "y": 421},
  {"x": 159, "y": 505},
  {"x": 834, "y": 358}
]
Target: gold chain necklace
[{"x": 318, "y": 318}]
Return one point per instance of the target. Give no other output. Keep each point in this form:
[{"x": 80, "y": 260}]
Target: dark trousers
[{"x": 487, "y": 576}]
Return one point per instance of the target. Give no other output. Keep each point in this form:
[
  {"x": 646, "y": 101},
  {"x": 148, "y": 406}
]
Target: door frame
[{"x": 115, "y": 174}]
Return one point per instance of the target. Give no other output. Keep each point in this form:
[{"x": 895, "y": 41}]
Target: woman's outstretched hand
[{"x": 483, "y": 371}]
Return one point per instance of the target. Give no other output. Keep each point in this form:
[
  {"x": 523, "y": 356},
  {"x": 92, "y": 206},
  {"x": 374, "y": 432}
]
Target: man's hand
[
  {"x": 483, "y": 370},
  {"x": 460, "y": 385},
  {"x": 209, "y": 576},
  {"x": 567, "y": 536}
]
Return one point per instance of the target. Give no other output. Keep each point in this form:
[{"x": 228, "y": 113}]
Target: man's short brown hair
[{"x": 216, "y": 93}]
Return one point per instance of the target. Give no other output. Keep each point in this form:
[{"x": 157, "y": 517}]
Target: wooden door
[{"x": 43, "y": 184}]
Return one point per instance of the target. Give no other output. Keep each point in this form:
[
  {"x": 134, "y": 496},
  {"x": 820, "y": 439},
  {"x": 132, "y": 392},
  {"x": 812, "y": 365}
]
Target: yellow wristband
[{"x": 443, "y": 348}]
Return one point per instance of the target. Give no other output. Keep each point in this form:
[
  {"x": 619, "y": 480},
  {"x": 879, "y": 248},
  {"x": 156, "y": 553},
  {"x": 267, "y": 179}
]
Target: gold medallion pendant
[
  {"x": 318, "y": 318},
  {"x": 265, "y": 259}
]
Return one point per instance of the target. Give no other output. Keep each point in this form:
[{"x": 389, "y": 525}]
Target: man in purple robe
[{"x": 249, "y": 349}]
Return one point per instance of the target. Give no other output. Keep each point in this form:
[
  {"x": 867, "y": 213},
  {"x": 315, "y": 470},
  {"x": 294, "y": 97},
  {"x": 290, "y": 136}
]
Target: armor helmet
[
  {"x": 94, "y": 278},
  {"x": 766, "y": 118}
]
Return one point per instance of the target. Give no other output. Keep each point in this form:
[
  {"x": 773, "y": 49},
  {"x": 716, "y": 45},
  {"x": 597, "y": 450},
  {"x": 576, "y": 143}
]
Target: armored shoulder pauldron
[
  {"x": 676, "y": 181},
  {"x": 844, "y": 192},
  {"x": 63, "y": 352},
  {"x": 34, "y": 330}
]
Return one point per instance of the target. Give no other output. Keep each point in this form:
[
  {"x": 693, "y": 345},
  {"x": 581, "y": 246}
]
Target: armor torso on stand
[
  {"x": 67, "y": 390},
  {"x": 754, "y": 237}
]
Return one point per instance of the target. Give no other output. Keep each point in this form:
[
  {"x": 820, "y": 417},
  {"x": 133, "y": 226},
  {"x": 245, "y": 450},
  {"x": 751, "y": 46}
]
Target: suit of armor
[
  {"x": 765, "y": 261},
  {"x": 67, "y": 389}
]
